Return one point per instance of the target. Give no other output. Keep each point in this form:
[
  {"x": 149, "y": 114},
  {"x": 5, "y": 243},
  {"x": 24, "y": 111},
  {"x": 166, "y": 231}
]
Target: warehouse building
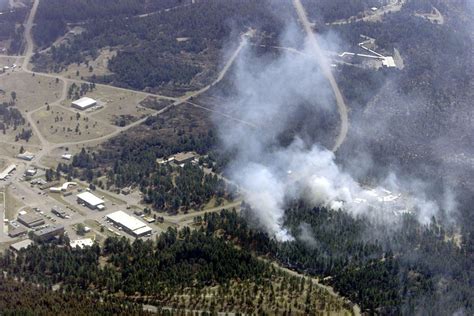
[
  {"x": 17, "y": 232},
  {"x": 30, "y": 220},
  {"x": 48, "y": 233},
  {"x": 129, "y": 224},
  {"x": 7, "y": 171},
  {"x": 84, "y": 103},
  {"x": 183, "y": 158},
  {"x": 16, "y": 247},
  {"x": 91, "y": 201}
]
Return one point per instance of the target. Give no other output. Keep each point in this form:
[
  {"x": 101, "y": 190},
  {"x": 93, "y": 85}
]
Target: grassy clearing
[
  {"x": 11, "y": 205},
  {"x": 32, "y": 92},
  {"x": 60, "y": 125}
]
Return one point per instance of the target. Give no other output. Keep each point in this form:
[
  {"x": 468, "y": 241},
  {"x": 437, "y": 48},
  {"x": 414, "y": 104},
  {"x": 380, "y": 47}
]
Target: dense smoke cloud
[{"x": 268, "y": 95}]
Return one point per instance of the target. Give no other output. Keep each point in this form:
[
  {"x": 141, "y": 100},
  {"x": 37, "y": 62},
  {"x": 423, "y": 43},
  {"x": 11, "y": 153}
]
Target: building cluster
[{"x": 179, "y": 159}]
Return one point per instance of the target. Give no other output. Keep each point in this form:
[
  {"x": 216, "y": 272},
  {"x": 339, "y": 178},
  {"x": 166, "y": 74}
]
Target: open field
[
  {"x": 32, "y": 92},
  {"x": 12, "y": 204},
  {"x": 9, "y": 61},
  {"x": 62, "y": 125},
  {"x": 12, "y": 150},
  {"x": 117, "y": 104}
]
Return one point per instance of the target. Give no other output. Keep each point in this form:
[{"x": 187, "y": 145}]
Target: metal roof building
[
  {"x": 83, "y": 103},
  {"x": 30, "y": 220},
  {"x": 130, "y": 224},
  {"x": 92, "y": 201},
  {"x": 7, "y": 171},
  {"x": 21, "y": 245}
]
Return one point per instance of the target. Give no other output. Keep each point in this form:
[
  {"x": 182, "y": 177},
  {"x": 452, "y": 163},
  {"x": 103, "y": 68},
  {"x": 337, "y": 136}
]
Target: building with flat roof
[
  {"x": 21, "y": 245},
  {"x": 17, "y": 232},
  {"x": 31, "y": 220},
  {"x": 5, "y": 173},
  {"x": 184, "y": 157},
  {"x": 48, "y": 233},
  {"x": 91, "y": 201},
  {"x": 83, "y": 103},
  {"x": 130, "y": 224},
  {"x": 59, "y": 212}
]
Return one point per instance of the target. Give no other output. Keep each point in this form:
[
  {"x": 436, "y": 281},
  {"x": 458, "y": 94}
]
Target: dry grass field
[
  {"x": 9, "y": 61},
  {"x": 60, "y": 125},
  {"x": 117, "y": 104},
  {"x": 32, "y": 92},
  {"x": 12, "y": 150}
]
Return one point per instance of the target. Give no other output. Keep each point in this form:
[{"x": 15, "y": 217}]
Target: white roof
[
  {"x": 130, "y": 222},
  {"x": 388, "y": 62},
  {"x": 86, "y": 242},
  {"x": 7, "y": 171},
  {"x": 90, "y": 198},
  {"x": 143, "y": 231},
  {"x": 84, "y": 102},
  {"x": 66, "y": 156}
]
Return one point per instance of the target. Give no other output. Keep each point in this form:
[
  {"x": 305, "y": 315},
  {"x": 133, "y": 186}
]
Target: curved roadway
[{"x": 321, "y": 59}]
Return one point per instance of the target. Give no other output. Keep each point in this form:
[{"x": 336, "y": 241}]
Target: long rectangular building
[
  {"x": 7, "y": 171},
  {"x": 130, "y": 224},
  {"x": 91, "y": 201},
  {"x": 48, "y": 233}
]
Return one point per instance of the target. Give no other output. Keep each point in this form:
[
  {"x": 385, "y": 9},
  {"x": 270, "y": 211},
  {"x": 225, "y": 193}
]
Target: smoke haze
[{"x": 270, "y": 94}]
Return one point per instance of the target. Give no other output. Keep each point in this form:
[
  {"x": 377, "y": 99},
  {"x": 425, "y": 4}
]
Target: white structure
[
  {"x": 388, "y": 62},
  {"x": 66, "y": 156},
  {"x": 7, "y": 171},
  {"x": 81, "y": 243},
  {"x": 91, "y": 201},
  {"x": 26, "y": 156},
  {"x": 84, "y": 103},
  {"x": 130, "y": 224}
]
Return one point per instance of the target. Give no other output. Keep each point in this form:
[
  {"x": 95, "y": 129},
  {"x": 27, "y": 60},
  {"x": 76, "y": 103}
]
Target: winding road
[
  {"x": 321, "y": 59},
  {"x": 47, "y": 147}
]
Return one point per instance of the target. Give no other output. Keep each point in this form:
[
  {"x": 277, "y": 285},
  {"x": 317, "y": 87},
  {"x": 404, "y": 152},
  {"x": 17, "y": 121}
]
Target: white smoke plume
[{"x": 268, "y": 174}]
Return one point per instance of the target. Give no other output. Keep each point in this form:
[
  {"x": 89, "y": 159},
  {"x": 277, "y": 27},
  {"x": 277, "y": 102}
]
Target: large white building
[
  {"x": 91, "y": 201},
  {"x": 83, "y": 103},
  {"x": 130, "y": 224},
  {"x": 7, "y": 172}
]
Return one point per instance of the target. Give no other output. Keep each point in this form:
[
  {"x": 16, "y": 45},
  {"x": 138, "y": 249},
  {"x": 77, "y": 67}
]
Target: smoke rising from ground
[{"x": 268, "y": 94}]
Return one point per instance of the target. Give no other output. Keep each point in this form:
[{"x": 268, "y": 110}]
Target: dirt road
[{"x": 321, "y": 59}]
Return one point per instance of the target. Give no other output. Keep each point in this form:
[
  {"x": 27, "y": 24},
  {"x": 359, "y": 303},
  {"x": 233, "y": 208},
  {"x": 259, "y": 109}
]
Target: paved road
[{"x": 341, "y": 105}]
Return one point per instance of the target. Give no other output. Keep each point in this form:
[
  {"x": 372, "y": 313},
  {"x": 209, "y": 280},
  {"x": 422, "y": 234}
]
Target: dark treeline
[
  {"x": 9, "y": 30},
  {"x": 408, "y": 270},
  {"x": 84, "y": 10},
  {"x": 188, "y": 259},
  {"x": 330, "y": 10},
  {"x": 10, "y": 117},
  {"x": 203, "y": 27},
  {"x": 21, "y": 298}
]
